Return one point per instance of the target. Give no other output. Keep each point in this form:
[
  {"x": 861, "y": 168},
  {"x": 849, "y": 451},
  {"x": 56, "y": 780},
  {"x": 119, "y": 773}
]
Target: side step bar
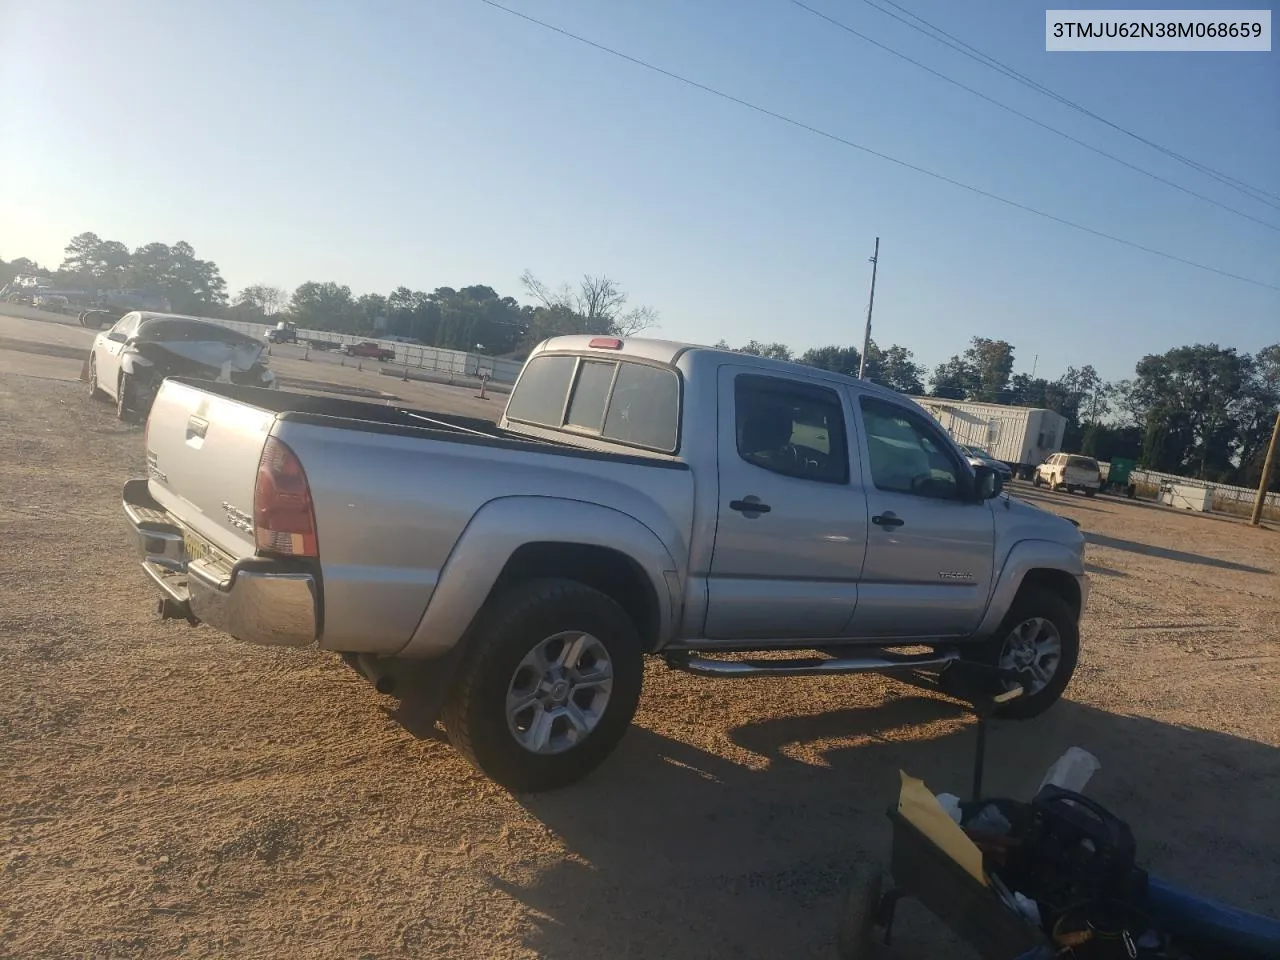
[{"x": 877, "y": 661}]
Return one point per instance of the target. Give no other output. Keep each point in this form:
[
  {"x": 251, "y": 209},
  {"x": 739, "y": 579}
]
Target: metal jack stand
[
  {"x": 872, "y": 908},
  {"x": 982, "y": 688}
]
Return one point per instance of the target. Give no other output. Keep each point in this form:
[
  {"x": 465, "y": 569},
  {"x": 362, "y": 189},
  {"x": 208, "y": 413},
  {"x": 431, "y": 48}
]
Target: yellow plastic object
[{"x": 918, "y": 805}]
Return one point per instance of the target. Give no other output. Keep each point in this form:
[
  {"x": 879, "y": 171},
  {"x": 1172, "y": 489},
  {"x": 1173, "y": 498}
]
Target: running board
[{"x": 881, "y": 661}]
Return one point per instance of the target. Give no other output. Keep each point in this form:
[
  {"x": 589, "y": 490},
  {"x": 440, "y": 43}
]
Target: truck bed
[
  {"x": 392, "y": 490},
  {"x": 362, "y": 415}
]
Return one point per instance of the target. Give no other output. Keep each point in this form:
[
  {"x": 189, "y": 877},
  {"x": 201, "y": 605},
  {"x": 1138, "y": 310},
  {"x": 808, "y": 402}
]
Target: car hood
[
  {"x": 1028, "y": 522},
  {"x": 996, "y": 465},
  {"x": 219, "y": 357}
]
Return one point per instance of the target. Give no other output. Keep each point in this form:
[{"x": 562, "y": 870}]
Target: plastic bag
[
  {"x": 1072, "y": 770},
  {"x": 991, "y": 821},
  {"x": 951, "y": 804}
]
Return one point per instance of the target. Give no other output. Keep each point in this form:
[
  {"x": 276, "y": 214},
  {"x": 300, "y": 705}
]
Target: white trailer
[{"x": 1020, "y": 436}]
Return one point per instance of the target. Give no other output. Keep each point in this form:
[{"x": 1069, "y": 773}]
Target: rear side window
[
  {"x": 632, "y": 403},
  {"x": 791, "y": 428}
]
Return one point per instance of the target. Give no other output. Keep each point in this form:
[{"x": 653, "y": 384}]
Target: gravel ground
[{"x": 168, "y": 791}]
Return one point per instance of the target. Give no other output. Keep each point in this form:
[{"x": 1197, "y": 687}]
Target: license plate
[{"x": 196, "y": 548}]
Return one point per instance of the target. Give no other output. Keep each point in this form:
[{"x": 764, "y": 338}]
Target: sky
[{"x": 446, "y": 142}]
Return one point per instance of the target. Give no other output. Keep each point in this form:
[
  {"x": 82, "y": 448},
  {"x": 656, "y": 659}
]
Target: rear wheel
[
  {"x": 1040, "y": 639},
  {"x": 549, "y": 686},
  {"x": 1090, "y": 491},
  {"x": 1035, "y": 480}
]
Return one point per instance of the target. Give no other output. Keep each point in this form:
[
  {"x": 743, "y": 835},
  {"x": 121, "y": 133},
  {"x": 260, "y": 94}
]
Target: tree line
[
  {"x": 469, "y": 318},
  {"x": 1199, "y": 410},
  {"x": 90, "y": 263}
]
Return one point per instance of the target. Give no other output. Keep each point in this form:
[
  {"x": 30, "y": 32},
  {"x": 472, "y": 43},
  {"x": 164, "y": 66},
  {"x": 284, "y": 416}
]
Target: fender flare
[
  {"x": 1028, "y": 555},
  {"x": 504, "y": 525}
]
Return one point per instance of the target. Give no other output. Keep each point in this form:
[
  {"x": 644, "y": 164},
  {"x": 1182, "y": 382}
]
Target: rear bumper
[{"x": 257, "y": 600}]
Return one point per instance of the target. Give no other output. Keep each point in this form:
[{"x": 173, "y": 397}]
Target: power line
[
  {"x": 973, "y": 53},
  {"x": 955, "y": 43},
  {"x": 1030, "y": 119},
  {"x": 836, "y": 138}
]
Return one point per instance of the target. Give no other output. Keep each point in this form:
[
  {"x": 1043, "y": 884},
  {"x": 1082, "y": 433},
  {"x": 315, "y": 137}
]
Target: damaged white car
[{"x": 129, "y": 362}]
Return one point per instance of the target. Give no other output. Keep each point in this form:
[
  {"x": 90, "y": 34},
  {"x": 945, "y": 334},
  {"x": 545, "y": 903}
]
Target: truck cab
[{"x": 283, "y": 332}]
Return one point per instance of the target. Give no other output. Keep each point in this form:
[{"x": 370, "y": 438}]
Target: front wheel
[
  {"x": 125, "y": 391},
  {"x": 548, "y": 688},
  {"x": 95, "y": 389},
  {"x": 1040, "y": 639}
]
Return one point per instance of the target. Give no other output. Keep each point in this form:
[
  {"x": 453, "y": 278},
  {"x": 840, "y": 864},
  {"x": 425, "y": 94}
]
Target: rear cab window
[{"x": 623, "y": 401}]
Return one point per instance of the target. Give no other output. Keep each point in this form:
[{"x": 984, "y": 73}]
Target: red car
[{"x": 369, "y": 349}]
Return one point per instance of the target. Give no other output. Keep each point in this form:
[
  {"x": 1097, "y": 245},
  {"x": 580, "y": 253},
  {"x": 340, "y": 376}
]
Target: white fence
[
  {"x": 1225, "y": 495},
  {"x": 457, "y": 363}
]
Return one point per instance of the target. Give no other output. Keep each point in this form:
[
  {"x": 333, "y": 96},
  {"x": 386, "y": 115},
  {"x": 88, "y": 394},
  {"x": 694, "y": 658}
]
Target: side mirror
[{"x": 986, "y": 483}]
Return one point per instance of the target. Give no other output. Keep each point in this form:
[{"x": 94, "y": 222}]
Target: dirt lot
[{"x": 167, "y": 791}]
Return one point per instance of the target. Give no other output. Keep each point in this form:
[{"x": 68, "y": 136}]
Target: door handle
[
  {"x": 749, "y": 505},
  {"x": 888, "y": 519}
]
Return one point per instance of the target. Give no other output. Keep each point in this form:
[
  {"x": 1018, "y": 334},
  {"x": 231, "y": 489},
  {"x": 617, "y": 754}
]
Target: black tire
[
  {"x": 859, "y": 915},
  {"x": 125, "y": 399},
  {"x": 1090, "y": 492},
  {"x": 1035, "y": 480},
  {"x": 1039, "y": 602},
  {"x": 512, "y": 626},
  {"x": 1071, "y": 489},
  {"x": 95, "y": 392}
]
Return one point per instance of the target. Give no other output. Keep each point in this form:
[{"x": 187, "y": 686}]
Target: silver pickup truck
[{"x": 637, "y": 497}]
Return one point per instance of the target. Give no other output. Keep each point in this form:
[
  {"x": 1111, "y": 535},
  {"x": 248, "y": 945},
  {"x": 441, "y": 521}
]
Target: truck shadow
[
  {"x": 1047, "y": 500},
  {"x": 707, "y": 857},
  {"x": 1163, "y": 553}
]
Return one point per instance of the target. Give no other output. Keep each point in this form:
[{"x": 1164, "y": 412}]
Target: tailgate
[{"x": 202, "y": 462}]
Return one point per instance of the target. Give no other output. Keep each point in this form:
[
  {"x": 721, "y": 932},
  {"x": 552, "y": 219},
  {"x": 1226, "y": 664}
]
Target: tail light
[{"x": 284, "y": 518}]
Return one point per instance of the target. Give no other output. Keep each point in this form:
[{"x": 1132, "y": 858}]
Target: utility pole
[
  {"x": 1266, "y": 474},
  {"x": 866, "y": 337},
  {"x": 1035, "y": 363}
]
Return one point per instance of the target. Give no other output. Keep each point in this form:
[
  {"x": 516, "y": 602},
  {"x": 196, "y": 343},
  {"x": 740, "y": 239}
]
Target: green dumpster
[{"x": 1118, "y": 475}]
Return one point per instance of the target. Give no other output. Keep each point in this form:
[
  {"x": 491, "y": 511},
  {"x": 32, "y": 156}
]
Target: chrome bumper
[{"x": 256, "y": 600}]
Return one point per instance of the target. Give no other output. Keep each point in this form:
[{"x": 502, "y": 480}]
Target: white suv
[{"x": 1071, "y": 472}]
